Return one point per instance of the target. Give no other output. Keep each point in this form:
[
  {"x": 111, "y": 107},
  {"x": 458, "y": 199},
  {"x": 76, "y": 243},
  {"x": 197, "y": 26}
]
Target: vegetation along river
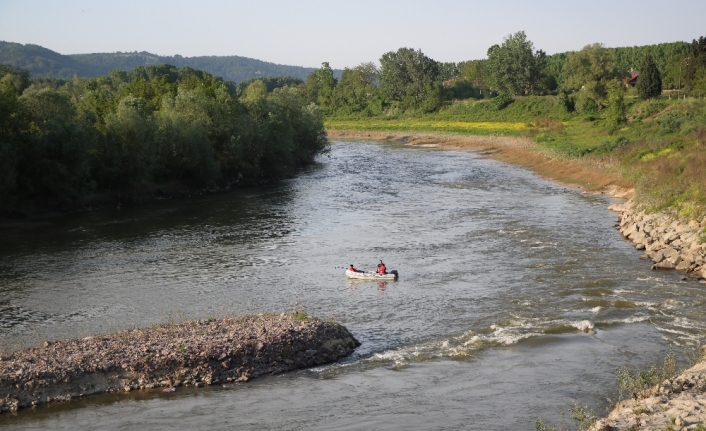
[{"x": 516, "y": 295}]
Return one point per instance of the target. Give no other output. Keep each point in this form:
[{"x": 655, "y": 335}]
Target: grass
[
  {"x": 420, "y": 125},
  {"x": 636, "y": 384},
  {"x": 639, "y": 384}
]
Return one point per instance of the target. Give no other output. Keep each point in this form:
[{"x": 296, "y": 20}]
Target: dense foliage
[
  {"x": 586, "y": 81},
  {"x": 649, "y": 83},
  {"x": 590, "y": 70},
  {"x": 515, "y": 67},
  {"x": 127, "y": 134}
]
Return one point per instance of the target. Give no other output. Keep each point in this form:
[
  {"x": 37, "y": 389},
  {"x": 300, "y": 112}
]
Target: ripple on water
[{"x": 489, "y": 256}]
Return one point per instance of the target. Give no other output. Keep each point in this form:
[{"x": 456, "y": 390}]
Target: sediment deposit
[{"x": 194, "y": 353}]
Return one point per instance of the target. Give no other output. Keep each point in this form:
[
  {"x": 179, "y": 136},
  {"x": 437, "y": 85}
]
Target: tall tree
[
  {"x": 356, "y": 90},
  {"x": 515, "y": 68},
  {"x": 696, "y": 61},
  {"x": 326, "y": 83},
  {"x": 649, "y": 83},
  {"x": 590, "y": 70},
  {"x": 407, "y": 74}
]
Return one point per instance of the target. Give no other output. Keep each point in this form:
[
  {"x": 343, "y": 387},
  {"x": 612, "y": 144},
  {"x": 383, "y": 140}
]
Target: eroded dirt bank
[{"x": 194, "y": 353}]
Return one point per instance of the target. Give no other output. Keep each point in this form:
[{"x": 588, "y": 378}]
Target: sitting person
[
  {"x": 382, "y": 270},
  {"x": 353, "y": 269}
]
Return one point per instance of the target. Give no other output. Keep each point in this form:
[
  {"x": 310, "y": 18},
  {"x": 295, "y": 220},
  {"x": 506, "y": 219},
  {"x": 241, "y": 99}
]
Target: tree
[
  {"x": 326, "y": 83},
  {"x": 14, "y": 78},
  {"x": 589, "y": 70},
  {"x": 256, "y": 90},
  {"x": 649, "y": 83},
  {"x": 615, "y": 114},
  {"x": 357, "y": 92},
  {"x": 406, "y": 75},
  {"x": 695, "y": 62},
  {"x": 475, "y": 72},
  {"x": 673, "y": 76},
  {"x": 515, "y": 68}
]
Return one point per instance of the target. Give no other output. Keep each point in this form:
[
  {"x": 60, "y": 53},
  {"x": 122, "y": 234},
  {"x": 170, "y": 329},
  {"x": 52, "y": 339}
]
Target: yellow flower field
[{"x": 483, "y": 127}]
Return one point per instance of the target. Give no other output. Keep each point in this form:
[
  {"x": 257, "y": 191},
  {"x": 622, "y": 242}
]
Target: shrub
[
  {"x": 501, "y": 101},
  {"x": 671, "y": 122},
  {"x": 584, "y": 104}
]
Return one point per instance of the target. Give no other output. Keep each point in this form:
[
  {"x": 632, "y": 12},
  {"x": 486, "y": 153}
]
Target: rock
[
  {"x": 639, "y": 238},
  {"x": 655, "y": 246},
  {"x": 656, "y": 256},
  {"x": 671, "y": 237},
  {"x": 145, "y": 358},
  {"x": 672, "y": 255},
  {"x": 665, "y": 264},
  {"x": 693, "y": 223},
  {"x": 630, "y": 230},
  {"x": 683, "y": 266},
  {"x": 640, "y": 246}
]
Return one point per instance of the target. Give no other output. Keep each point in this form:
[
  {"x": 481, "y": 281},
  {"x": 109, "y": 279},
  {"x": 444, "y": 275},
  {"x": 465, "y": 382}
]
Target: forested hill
[{"x": 41, "y": 61}]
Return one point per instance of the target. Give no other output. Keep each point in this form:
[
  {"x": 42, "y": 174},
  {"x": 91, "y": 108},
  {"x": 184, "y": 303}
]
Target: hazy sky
[{"x": 344, "y": 33}]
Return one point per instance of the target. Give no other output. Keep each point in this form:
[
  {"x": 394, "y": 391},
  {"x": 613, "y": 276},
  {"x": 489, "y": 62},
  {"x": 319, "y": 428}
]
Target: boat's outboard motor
[{"x": 397, "y": 275}]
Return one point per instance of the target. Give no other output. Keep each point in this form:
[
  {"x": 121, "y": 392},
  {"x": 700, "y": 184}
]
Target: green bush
[
  {"x": 671, "y": 122},
  {"x": 584, "y": 104},
  {"x": 501, "y": 101}
]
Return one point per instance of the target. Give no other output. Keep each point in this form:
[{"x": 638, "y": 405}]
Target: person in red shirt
[
  {"x": 381, "y": 268},
  {"x": 352, "y": 268}
]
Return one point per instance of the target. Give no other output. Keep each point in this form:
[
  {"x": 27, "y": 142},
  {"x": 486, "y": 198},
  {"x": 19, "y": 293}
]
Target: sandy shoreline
[{"x": 195, "y": 353}]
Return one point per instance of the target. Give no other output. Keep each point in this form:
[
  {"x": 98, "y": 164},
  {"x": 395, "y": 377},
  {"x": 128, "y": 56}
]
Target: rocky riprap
[
  {"x": 195, "y": 353},
  {"x": 669, "y": 243}
]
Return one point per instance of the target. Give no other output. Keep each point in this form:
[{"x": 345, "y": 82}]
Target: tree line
[
  {"x": 44, "y": 62},
  {"x": 409, "y": 81},
  {"x": 125, "y": 134}
]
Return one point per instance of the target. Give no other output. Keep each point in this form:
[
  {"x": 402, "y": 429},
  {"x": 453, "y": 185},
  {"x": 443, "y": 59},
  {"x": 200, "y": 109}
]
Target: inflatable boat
[{"x": 392, "y": 275}]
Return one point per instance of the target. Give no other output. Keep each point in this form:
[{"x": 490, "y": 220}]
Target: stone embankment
[
  {"x": 194, "y": 353},
  {"x": 676, "y": 404},
  {"x": 667, "y": 242}
]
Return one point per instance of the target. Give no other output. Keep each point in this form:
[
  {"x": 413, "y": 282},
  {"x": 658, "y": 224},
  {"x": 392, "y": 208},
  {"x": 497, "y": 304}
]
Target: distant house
[{"x": 631, "y": 80}]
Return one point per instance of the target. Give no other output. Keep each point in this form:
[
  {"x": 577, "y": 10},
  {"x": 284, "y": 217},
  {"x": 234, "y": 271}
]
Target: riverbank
[
  {"x": 195, "y": 353},
  {"x": 669, "y": 242},
  {"x": 678, "y": 403}
]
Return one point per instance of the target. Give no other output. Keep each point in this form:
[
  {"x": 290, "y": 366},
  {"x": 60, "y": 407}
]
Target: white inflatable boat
[{"x": 392, "y": 275}]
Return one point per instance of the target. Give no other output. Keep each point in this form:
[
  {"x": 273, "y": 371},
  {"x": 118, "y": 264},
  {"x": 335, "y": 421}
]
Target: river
[{"x": 516, "y": 295}]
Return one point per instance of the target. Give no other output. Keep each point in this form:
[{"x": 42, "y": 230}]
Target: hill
[{"x": 44, "y": 62}]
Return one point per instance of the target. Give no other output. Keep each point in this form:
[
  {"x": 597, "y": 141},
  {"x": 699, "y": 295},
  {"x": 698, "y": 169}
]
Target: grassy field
[
  {"x": 660, "y": 150},
  {"x": 428, "y": 125}
]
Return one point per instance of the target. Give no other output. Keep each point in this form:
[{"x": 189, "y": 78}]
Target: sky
[{"x": 343, "y": 32}]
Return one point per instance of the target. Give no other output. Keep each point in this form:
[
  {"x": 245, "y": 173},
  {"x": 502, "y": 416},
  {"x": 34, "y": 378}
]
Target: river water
[{"x": 516, "y": 295}]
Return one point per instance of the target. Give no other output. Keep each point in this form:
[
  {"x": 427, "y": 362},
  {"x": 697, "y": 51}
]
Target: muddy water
[{"x": 516, "y": 295}]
